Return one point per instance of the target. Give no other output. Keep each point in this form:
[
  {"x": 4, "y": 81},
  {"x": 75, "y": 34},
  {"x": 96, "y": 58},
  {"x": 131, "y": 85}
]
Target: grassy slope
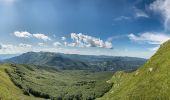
[
  {"x": 150, "y": 82},
  {"x": 8, "y": 91}
]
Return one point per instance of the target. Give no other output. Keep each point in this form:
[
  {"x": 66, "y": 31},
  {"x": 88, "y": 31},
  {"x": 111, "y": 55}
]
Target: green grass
[
  {"x": 55, "y": 84},
  {"x": 8, "y": 91},
  {"x": 150, "y": 82}
]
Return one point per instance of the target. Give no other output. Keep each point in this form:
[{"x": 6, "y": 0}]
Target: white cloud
[
  {"x": 8, "y": 46},
  {"x": 82, "y": 40},
  {"x": 66, "y": 44},
  {"x": 72, "y": 44},
  {"x": 22, "y": 34},
  {"x": 108, "y": 44},
  {"x": 151, "y": 38},
  {"x": 63, "y": 38},
  {"x": 41, "y": 36},
  {"x": 122, "y": 18},
  {"x": 41, "y": 44},
  {"x": 14, "y": 49},
  {"x": 140, "y": 13},
  {"x": 57, "y": 44},
  {"x": 29, "y": 35},
  {"x": 25, "y": 45},
  {"x": 162, "y": 7}
]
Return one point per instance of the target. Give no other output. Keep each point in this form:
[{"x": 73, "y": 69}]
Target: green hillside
[
  {"x": 150, "y": 82},
  {"x": 8, "y": 91},
  {"x": 49, "y": 83}
]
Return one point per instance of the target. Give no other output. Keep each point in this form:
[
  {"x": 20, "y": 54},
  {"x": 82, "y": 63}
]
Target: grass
[
  {"x": 150, "y": 82},
  {"x": 8, "y": 91},
  {"x": 55, "y": 84}
]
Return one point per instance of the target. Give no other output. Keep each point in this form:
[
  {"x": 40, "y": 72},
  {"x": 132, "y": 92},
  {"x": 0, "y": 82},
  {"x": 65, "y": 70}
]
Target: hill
[
  {"x": 78, "y": 62},
  {"x": 150, "y": 82},
  {"x": 9, "y": 91},
  {"x": 49, "y": 83}
]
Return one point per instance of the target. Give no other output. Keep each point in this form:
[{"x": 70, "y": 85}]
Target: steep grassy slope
[
  {"x": 55, "y": 84},
  {"x": 150, "y": 82},
  {"x": 8, "y": 91}
]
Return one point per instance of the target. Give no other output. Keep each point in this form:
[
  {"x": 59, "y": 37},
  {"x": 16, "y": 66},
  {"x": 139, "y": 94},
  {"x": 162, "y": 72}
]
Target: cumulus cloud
[
  {"x": 41, "y": 36},
  {"x": 22, "y": 34},
  {"x": 151, "y": 38},
  {"x": 82, "y": 40},
  {"x": 162, "y": 7},
  {"x": 57, "y": 44},
  {"x": 29, "y": 35},
  {"x": 108, "y": 44}
]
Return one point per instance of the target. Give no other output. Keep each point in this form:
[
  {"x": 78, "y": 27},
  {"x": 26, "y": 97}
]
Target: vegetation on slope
[
  {"x": 54, "y": 84},
  {"x": 150, "y": 82},
  {"x": 8, "y": 91}
]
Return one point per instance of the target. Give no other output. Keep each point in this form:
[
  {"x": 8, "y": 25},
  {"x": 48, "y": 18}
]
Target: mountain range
[{"x": 78, "y": 62}]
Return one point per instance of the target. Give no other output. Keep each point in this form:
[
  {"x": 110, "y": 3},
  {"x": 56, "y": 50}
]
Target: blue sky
[{"x": 101, "y": 27}]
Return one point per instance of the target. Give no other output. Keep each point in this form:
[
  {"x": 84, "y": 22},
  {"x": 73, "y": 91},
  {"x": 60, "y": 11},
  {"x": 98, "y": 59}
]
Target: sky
[{"x": 133, "y": 28}]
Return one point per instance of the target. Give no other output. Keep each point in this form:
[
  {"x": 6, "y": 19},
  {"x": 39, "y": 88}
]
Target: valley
[
  {"x": 84, "y": 50},
  {"x": 54, "y": 84},
  {"x": 45, "y": 75}
]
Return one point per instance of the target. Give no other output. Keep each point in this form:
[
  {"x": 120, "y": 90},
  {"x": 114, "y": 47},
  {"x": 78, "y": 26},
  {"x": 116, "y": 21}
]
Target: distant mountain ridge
[{"x": 75, "y": 61}]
